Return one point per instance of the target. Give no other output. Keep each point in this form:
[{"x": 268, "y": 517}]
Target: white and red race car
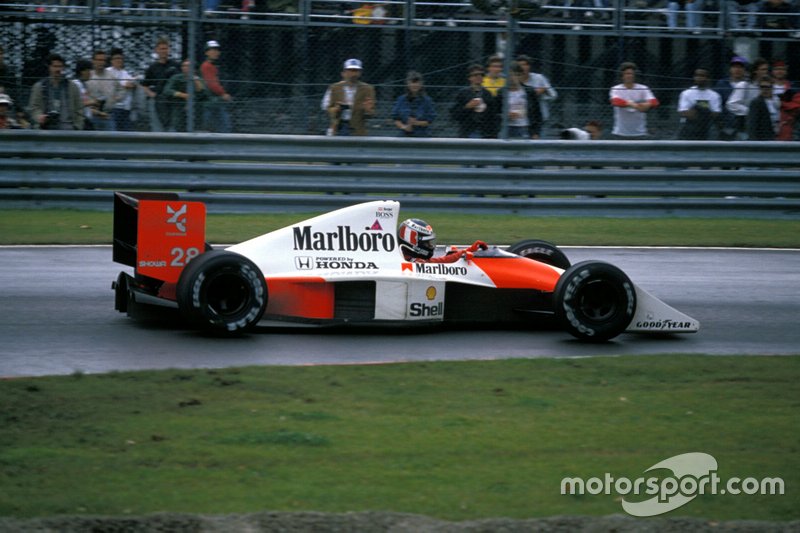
[{"x": 345, "y": 267}]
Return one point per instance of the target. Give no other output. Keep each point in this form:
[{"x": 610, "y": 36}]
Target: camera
[{"x": 51, "y": 121}]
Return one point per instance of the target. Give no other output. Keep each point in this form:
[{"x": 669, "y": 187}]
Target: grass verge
[
  {"x": 453, "y": 440},
  {"x": 92, "y": 227}
]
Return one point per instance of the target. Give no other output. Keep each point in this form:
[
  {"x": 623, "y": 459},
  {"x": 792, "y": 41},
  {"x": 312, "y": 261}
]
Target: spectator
[
  {"x": 215, "y": 111},
  {"x": 8, "y": 81},
  {"x": 123, "y": 103},
  {"x": 779, "y": 17},
  {"x": 763, "y": 116},
  {"x": 103, "y": 89},
  {"x": 349, "y": 102},
  {"x": 176, "y": 96},
  {"x": 693, "y": 15},
  {"x": 631, "y": 102},
  {"x": 414, "y": 112},
  {"x": 729, "y": 123},
  {"x": 743, "y": 93},
  {"x": 591, "y": 131},
  {"x": 699, "y": 107},
  {"x": 789, "y": 96},
  {"x": 155, "y": 78},
  {"x": 474, "y": 108},
  {"x": 737, "y": 8},
  {"x": 83, "y": 72},
  {"x": 55, "y": 102},
  {"x": 581, "y": 10},
  {"x": 524, "y": 115},
  {"x": 540, "y": 84},
  {"x": 7, "y": 121},
  {"x": 494, "y": 80}
]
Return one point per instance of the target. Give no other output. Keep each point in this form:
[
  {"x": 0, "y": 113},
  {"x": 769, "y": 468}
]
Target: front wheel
[
  {"x": 594, "y": 301},
  {"x": 542, "y": 251},
  {"x": 222, "y": 292}
]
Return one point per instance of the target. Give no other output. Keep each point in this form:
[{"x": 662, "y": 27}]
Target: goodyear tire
[
  {"x": 121, "y": 293},
  {"x": 542, "y": 251},
  {"x": 222, "y": 292},
  {"x": 594, "y": 301}
]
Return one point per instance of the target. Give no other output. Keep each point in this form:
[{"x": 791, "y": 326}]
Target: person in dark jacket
[
  {"x": 763, "y": 115},
  {"x": 414, "y": 112},
  {"x": 474, "y": 108},
  {"x": 177, "y": 92}
]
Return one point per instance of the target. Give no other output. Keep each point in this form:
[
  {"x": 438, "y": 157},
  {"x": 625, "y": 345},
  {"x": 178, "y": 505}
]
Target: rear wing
[{"x": 157, "y": 233}]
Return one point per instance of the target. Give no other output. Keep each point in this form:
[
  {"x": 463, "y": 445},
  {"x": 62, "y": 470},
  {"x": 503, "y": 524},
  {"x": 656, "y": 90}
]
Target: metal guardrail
[{"x": 240, "y": 173}]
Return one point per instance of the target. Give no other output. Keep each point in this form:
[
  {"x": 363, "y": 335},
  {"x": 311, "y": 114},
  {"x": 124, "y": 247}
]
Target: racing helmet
[{"x": 416, "y": 238}]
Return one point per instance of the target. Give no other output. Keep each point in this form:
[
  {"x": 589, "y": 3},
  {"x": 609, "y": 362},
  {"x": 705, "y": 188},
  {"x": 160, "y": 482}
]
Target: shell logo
[{"x": 430, "y": 293}]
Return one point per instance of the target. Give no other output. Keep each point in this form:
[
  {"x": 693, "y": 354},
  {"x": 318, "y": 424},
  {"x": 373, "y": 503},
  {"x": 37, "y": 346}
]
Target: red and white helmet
[{"x": 417, "y": 238}]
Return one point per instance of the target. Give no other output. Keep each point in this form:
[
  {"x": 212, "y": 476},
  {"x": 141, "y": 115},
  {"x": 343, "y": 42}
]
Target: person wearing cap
[
  {"x": 724, "y": 87},
  {"x": 743, "y": 94},
  {"x": 413, "y": 111},
  {"x": 215, "y": 112},
  {"x": 348, "y": 103},
  {"x": 631, "y": 102},
  {"x": 698, "y": 106},
  {"x": 55, "y": 102},
  {"x": 474, "y": 108}
]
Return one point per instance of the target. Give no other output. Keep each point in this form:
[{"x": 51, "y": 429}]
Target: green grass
[
  {"x": 454, "y": 440},
  {"x": 92, "y": 227}
]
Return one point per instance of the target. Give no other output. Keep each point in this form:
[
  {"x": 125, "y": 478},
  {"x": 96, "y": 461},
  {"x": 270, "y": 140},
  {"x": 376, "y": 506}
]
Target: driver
[{"x": 418, "y": 242}]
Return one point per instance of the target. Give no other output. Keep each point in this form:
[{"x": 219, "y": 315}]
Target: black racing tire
[
  {"x": 594, "y": 301},
  {"x": 542, "y": 251},
  {"x": 121, "y": 293},
  {"x": 222, "y": 292}
]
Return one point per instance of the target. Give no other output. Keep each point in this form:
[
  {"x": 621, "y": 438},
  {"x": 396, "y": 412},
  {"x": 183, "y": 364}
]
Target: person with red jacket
[
  {"x": 790, "y": 101},
  {"x": 418, "y": 242},
  {"x": 215, "y": 112}
]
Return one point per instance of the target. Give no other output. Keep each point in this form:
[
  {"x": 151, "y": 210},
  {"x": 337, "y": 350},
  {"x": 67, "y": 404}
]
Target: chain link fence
[{"x": 277, "y": 57}]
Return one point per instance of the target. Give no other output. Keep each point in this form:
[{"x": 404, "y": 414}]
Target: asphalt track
[{"x": 58, "y": 318}]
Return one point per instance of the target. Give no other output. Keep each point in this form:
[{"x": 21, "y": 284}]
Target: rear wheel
[
  {"x": 594, "y": 301},
  {"x": 222, "y": 292},
  {"x": 121, "y": 295},
  {"x": 542, "y": 251}
]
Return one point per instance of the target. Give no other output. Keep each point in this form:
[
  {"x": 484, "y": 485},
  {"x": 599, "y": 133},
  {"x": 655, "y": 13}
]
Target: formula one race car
[{"x": 345, "y": 267}]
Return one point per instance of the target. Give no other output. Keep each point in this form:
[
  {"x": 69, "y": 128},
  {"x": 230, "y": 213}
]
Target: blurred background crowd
[{"x": 265, "y": 66}]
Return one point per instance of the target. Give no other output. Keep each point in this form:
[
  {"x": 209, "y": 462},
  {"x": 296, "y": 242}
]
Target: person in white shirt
[
  {"x": 699, "y": 106},
  {"x": 103, "y": 89},
  {"x": 121, "y": 112},
  {"x": 631, "y": 102}
]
